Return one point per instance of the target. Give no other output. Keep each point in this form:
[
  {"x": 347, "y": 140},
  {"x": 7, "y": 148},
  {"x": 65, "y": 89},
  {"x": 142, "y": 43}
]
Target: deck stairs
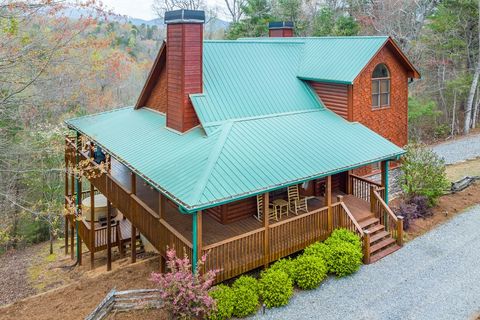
[{"x": 381, "y": 242}]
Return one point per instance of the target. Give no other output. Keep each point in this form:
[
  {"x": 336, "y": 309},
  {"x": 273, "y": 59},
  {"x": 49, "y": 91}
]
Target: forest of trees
[{"x": 53, "y": 67}]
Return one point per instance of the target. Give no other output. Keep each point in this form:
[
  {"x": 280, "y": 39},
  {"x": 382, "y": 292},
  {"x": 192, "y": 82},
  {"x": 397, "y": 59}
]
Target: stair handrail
[
  {"x": 352, "y": 218},
  {"x": 398, "y": 220},
  {"x": 382, "y": 202}
]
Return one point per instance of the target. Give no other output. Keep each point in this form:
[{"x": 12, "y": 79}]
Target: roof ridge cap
[
  {"x": 211, "y": 162},
  {"x": 265, "y": 116}
]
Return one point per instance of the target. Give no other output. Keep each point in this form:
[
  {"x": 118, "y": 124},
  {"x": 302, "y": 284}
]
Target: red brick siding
[
  {"x": 391, "y": 122},
  {"x": 333, "y": 96},
  {"x": 184, "y": 74},
  {"x": 280, "y": 33}
]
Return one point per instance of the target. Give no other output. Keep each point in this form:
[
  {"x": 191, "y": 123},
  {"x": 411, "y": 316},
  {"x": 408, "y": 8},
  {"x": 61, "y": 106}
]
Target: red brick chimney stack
[
  {"x": 283, "y": 29},
  {"x": 184, "y": 66}
]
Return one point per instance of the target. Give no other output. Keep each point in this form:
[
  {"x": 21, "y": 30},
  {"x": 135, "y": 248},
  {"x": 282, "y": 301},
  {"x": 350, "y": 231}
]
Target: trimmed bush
[
  {"x": 310, "y": 271},
  {"x": 345, "y": 259},
  {"x": 319, "y": 250},
  {"x": 247, "y": 281},
  {"x": 286, "y": 265},
  {"x": 276, "y": 288},
  {"x": 245, "y": 301},
  {"x": 224, "y": 297},
  {"x": 345, "y": 236}
]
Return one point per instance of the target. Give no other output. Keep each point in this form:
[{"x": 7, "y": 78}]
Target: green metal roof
[
  {"x": 332, "y": 59},
  {"x": 248, "y": 79},
  {"x": 262, "y": 76},
  {"x": 199, "y": 171}
]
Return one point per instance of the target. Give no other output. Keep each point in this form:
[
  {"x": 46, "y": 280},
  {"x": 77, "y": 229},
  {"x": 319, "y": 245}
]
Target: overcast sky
[{"x": 142, "y": 8}]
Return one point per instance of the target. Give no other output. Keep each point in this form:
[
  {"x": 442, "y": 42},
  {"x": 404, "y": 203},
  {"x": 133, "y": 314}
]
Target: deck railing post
[
  {"x": 400, "y": 231},
  {"x": 366, "y": 247},
  {"x": 266, "y": 226},
  {"x": 341, "y": 219},
  {"x": 372, "y": 199}
]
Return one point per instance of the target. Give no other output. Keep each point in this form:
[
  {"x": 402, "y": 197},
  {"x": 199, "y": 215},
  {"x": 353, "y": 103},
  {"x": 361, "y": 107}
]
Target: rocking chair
[
  {"x": 296, "y": 203},
  {"x": 272, "y": 211}
]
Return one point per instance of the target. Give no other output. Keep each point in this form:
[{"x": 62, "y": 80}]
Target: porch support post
[
  {"x": 161, "y": 215},
  {"x": 78, "y": 200},
  {"x": 92, "y": 226},
  {"x": 328, "y": 203},
  {"x": 266, "y": 226},
  {"x": 92, "y": 216},
  {"x": 72, "y": 241},
  {"x": 197, "y": 238},
  {"x": 349, "y": 182},
  {"x": 385, "y": 166},
  {"x": 194, "y": 241},
  {"x": 109, "y": 222},
  {"x": 133, "y": 237},
  {"x": 66, "y": 202}
]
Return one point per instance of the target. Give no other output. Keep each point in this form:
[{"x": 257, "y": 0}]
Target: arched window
[{"x": 380, "y": 87}]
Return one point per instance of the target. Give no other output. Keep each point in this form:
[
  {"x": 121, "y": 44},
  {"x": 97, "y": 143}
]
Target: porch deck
[{"x": 215, "y": 232}]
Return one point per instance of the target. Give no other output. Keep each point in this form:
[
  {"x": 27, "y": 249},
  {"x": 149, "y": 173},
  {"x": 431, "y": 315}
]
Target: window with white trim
[{"x": 380, "y": 87}]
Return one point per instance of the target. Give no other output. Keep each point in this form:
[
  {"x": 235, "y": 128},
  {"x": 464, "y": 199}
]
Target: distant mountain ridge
[{"x": 75, "y": 13}]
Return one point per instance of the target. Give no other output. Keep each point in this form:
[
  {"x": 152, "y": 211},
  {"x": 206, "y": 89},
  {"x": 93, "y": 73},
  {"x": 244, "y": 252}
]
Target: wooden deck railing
[
  {"x": 361, "y": 187},
  {"x": 292, "y": 235},
  {"x": 147, "y": 221},
  {"x": 392, "y": 223},
  {"x": 236, "y": 255},
  {"x": 343, "y": 218},
  {"x": 171, "y": 238}
]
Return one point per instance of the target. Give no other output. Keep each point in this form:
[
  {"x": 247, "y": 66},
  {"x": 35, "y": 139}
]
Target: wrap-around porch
[{"x": 245, "y": 242}]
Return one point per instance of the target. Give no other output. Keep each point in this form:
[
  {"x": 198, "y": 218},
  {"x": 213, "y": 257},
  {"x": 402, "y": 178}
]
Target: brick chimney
[
  {"x": 184, "y": 66},
  {"x": 280, "y": 29}
]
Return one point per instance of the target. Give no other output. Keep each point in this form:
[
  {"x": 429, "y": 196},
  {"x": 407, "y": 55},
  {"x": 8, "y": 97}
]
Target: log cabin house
[{"x": 226, "y": 133}]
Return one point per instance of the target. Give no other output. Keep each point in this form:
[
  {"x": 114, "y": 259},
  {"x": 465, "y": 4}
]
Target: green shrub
[
  {"x": 310, "y": 271},
  {"x": 246, "y": 301},
  {"x": 345, "y": 259},
  {"x": 319, "y": 250},
  {"x": 247, "y": 281},
  {"x": 344, "y": 235},
  {"x": 276, "y": 288},
  {"x": 286, "y": 265},
  {"x": 423, "y": 173},
  {"x": 224, "y": 297}
]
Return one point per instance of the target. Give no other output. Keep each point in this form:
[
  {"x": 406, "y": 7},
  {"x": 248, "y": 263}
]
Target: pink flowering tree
[{"x": 185, "y": 293}]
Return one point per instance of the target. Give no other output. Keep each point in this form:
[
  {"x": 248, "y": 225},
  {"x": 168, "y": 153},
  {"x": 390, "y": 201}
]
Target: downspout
[
  {"x": 78, "y": 195},
  {"x": 194, "y": 241}
]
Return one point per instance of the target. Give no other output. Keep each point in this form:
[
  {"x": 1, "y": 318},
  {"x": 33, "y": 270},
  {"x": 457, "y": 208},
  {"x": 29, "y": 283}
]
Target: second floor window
[{"x": 380, "y": 87}]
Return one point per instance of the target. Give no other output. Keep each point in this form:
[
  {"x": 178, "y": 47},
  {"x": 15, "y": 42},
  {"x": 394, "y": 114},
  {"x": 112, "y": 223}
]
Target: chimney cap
[
  {"x": 184, "y": 16},
  {"x": 280, "y": 25}
]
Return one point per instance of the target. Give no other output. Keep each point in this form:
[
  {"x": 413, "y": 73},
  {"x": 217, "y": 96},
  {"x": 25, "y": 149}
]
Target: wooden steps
[{"x": 381, "y": 242}]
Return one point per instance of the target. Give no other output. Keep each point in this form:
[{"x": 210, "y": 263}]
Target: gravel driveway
[
  {"x": 435, "y": 276},
  {"x": 459, "y": 149}
]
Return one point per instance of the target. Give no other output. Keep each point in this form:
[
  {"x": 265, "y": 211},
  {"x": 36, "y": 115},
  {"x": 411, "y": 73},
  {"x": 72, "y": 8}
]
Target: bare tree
[
  {"x": 162, "y": 6},
  {"x": 235, "y": 9},
  {"x": 467, "y": 124}
]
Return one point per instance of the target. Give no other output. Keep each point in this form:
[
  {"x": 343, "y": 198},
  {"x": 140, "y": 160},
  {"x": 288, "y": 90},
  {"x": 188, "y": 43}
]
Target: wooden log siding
[{"x": 334, "y": 96}]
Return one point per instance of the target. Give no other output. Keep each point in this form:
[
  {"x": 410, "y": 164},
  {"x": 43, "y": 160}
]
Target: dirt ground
[
  {"x": 76, "y": 300},
  {"x": 448, "y": 207}
]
